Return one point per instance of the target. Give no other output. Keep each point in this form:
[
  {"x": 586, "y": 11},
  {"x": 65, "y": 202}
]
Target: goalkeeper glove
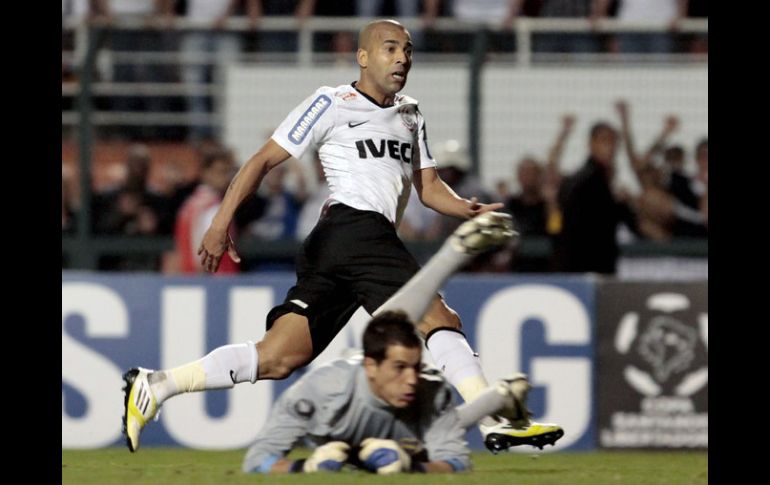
[
  {"x": 384, "y": 456},
  {"x": 328, "y": 457}
]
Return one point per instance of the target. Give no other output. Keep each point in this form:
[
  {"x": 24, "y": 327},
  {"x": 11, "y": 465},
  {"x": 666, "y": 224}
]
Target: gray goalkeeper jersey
[{"x": 335, "y": 403}]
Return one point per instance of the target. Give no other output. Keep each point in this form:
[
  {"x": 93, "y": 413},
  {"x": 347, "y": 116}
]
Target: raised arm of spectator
[
  {"x": 638, "y": 164},
  {"x": 670, "y": 125},
  {"x": 553, "y": 176},
  {"x": 553, "y": 171}
]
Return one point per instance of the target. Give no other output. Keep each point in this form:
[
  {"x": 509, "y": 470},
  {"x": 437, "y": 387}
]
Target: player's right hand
[
  {"x": 328, "y": 457},
  {"x": 384, "y": 456},
  {"x": 215, "y": 243}
]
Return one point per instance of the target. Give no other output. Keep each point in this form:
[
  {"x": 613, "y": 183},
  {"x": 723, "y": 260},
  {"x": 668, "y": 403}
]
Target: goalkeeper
[{"x": 384, "y": 411}]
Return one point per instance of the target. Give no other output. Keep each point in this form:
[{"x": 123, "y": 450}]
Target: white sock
[
  {"x": 460, "y": 365},
  {"x": 221, "y": 368}
]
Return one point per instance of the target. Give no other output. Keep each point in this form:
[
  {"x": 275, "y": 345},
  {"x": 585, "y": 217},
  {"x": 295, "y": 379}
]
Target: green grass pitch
[{"x": 191, "y": 467}]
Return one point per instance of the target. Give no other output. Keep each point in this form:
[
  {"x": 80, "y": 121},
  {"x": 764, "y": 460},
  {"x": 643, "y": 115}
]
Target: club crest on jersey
[
  {"x": 408, "y": 117},
  {"x": 309, "y": 117}
]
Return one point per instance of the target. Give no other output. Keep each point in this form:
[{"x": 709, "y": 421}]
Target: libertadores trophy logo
[
  {"x": 653, "y": 367},
  {"x": 667, "y": 345}
]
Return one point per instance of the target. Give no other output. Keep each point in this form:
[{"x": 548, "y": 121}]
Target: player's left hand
[
  {"x": 476, "y": 208},
  {"x": 384, "y": 456}
]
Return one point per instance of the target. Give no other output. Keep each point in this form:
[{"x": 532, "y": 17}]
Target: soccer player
[{"x": 372, "y": 144}]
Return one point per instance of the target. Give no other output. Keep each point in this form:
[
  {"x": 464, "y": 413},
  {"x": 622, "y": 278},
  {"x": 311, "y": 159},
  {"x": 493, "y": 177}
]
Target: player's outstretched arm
[
  {"x": 437, "y": 195},
  {"x": 246, "y": 181}
]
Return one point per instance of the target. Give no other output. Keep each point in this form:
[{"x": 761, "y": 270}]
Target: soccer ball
[{"x": 484, "y": 232}]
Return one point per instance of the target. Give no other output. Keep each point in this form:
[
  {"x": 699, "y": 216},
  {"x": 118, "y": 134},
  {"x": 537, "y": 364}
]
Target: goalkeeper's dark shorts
[{"x": 351, "y": 258}]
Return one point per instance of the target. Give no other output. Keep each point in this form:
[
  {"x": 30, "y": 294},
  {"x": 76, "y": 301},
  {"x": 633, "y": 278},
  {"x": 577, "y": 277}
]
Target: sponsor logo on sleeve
[{"x": 308, "y": 119}]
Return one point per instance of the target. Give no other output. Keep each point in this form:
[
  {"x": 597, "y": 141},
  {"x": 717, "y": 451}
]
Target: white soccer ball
[{"x": 484, "y": 232}]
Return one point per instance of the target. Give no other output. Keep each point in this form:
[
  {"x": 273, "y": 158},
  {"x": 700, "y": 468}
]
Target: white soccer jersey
[{"x": 368, "y": 152}]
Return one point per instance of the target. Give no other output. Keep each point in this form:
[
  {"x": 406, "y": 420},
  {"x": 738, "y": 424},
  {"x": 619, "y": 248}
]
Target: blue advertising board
[{"x": 541, "y": 325}]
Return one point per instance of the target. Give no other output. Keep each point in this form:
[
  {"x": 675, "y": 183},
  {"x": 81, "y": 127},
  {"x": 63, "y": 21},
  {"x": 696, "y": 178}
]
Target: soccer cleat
[
  {"x": 503, "y": 436},
  {"x": 517, "y": 428},
  {"x": 482, "y": 233},
  {"x": 139, "y": 405}
]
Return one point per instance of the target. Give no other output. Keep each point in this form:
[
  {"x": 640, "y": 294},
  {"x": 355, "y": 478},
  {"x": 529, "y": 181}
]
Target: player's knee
[
  {"x": 280, "y": 365},
  {"x": 439, "y": 315},
  {"x": 279, "y": 371}
]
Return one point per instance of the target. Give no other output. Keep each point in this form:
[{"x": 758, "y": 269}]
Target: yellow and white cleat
[
  {"x": 502, "y": 436},
  {"x": 515, "y": 427},
  {"x": 139, "y": 405}
]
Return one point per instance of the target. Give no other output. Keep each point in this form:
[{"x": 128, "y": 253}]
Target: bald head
[
  {"x": 374, "y": 29},
  {"x": 385, "y": 57}
]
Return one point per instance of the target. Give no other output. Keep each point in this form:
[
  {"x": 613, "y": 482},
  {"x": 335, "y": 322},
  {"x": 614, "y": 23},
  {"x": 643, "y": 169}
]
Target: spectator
[
  {"x": 68, "y": 201},
  {"x": 198, "y": 210},
  {"x": 280, "y": 214},
  {"x": 667, "y": 205},
  {"x": 698, "y": 43},
  {"x": 528, "y": 208},
  {"x": 535, "y": 209},
  {"x": 562, "y": 42},
  {"x": 667, "y": 13},
  {"x": 495, "y": 16},
  {"x": 116, "y": 207},
  {"x": 279, "y": 221},
  {"x": 337, "y": 42},
  {"x": 225, "y": 47},
  {"x": 155, "y": 15},
  {"x": 591, "y": 214}
]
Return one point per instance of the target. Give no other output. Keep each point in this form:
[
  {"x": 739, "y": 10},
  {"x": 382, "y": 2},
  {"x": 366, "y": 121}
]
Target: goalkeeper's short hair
[{"x": 386, "y": 329}]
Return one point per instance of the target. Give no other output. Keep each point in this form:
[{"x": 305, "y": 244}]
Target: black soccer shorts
[{"x": 351, "y": 258}]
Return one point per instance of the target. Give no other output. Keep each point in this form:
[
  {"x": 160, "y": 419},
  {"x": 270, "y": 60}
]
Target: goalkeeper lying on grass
[{"x": 385, "y": 411}]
